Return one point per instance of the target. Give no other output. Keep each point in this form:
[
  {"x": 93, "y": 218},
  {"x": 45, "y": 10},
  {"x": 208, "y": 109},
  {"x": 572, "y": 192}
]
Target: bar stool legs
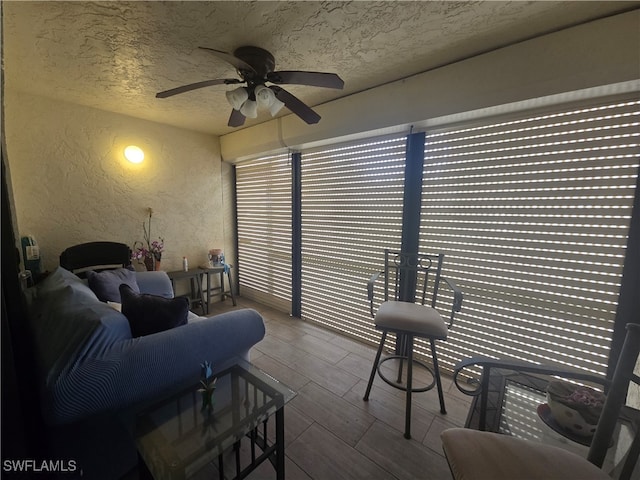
[
  {"x": 407, "y": 418},
  {"x": 375, "y": 367},
  {"x": 436, "y": 373},
  {"x": 407, "y": 354}
]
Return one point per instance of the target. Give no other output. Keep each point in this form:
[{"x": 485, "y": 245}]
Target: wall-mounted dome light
[{"x": 134, "y": 154}]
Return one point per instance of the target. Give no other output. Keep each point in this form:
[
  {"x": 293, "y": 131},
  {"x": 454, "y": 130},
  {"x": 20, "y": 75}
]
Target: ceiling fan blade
[
  {"x": 236, "y": 119},
  {"x": 229, "y": 58},
  {"x": 195, "y": 86},
  {"x": 295, "y": 105},
  {"x": 315, "y": 79}
]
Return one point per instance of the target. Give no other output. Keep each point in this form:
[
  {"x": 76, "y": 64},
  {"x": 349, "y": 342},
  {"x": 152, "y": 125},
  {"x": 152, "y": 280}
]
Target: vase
[
  {"x": 151, "y": 264},
  {"x": 207, "y": 399}
]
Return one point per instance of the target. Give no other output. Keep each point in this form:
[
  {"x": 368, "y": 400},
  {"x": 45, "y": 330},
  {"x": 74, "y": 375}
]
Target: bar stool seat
[{"x": 405, "y": 317}]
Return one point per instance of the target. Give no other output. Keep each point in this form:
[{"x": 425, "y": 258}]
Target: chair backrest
[
  {"x": 95, "y": 255},
  {"x": 411, "y": 277},
  {"x": 616, "y": 397}
]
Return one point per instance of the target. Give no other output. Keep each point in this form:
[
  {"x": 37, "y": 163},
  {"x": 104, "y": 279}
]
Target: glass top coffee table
[{"x": 176, "y": 439}]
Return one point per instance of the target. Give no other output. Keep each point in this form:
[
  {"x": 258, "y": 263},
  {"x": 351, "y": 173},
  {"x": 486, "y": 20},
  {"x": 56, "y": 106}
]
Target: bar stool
[{"x": 405, "y": 277}]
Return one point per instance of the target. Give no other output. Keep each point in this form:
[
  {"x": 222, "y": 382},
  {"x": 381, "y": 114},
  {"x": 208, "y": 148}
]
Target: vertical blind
[
  {"x": 263, "y": 196},
  {"x": 351, "y": 210},
  {"x": 532, "y": 214}
]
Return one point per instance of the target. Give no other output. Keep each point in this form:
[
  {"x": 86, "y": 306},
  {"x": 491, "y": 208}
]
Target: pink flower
[{"x": 152, "y": 248}]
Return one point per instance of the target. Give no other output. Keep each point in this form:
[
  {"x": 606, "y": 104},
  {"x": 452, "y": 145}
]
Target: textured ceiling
[{"x": 116, "y": 56}]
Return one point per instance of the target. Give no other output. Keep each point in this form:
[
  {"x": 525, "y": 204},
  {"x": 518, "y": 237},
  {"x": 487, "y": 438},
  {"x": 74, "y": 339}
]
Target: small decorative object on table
[
  {"x": 216, "y": 257},
  {"x": 574, "y": 407},
  {"x": 208, "y": 386},
  {"x": 148, "y": 252}
]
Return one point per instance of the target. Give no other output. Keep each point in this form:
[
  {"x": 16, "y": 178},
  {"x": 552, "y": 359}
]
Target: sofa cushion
[
  {"x": 60, "y": 278},
  {"x": 149, "y": 314},
  {"x": 155, "y": 283},
  {"x": 59, "y": 321},
  {"x": 106, "y": 284}
]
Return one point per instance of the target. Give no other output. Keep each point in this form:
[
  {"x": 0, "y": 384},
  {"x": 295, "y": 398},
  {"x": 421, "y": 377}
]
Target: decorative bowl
[{"x": 575, "y": 408}]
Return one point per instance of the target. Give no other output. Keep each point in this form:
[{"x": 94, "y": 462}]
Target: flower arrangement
[
  {"x": 148, "y": 252},
  {"x": 585, "y": 397},
  {"x": 208, "y": 382}
]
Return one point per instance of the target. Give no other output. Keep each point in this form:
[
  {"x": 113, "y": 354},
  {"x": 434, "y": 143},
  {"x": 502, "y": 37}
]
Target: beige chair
[
  {"x": 474, "y": 454},
  {"x": 407, "y": 276}
]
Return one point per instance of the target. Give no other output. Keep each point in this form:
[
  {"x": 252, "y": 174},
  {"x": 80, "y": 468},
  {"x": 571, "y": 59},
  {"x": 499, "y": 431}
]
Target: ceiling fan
[{"x": 256, "y": 67}]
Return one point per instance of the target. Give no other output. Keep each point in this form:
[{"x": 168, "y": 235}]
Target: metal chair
[
  {"x": 475, "y": 454},
  {"x": 95, "y": 255},
  {"x": 407, "y": 276}
]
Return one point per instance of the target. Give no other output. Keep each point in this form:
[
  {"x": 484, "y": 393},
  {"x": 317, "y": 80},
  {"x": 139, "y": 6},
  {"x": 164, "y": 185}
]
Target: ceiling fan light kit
[
  {"x": 256, "y": 67},
  {"x": 237, "y": 97},
  {"x": 249, "y": 109},
  {"x": 267, "y": 99},
  {"x": 275, "y": 107}
]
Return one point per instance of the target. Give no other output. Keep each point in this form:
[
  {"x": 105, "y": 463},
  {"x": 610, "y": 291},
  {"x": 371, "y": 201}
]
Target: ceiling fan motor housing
[{"x": 261, "y": 60}]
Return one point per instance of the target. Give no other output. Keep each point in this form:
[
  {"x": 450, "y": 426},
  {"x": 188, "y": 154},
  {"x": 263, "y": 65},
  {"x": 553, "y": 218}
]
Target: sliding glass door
[
  {"x": 351, "y": 211},
  {"x": 263, "y": 199},
  {"x": 532, "y": 213}
]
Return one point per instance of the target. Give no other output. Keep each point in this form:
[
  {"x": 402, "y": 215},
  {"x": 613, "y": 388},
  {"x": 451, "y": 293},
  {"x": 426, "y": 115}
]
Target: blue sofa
[{"x": 94, "y": 376}]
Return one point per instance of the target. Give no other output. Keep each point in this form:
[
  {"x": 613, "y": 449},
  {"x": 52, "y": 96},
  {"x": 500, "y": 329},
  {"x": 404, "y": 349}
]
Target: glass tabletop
[
  {"x": 175, "y": 438},
  {"x": 519, "y": 417}
]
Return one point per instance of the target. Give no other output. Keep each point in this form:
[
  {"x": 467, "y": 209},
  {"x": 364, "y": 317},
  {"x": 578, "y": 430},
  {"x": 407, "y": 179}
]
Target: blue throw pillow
[
  {"x": 149, "y": 314},
  {"x": 106, "y": 284}
]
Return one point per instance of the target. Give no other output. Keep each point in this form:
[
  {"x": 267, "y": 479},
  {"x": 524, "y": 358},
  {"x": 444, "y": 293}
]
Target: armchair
[{"x": 476, "y": 454}]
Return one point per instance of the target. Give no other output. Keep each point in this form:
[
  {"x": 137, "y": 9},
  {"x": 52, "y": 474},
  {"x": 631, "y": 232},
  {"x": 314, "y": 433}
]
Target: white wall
[
  {"x": 71, "y": 183},
  {"x": 595, "y": 54}
]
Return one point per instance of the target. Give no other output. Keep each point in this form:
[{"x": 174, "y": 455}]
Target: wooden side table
[
  {"x": 201, "y": 295},
  {"x": 194, "y": 276},
  {"x": 220, "y": 270}
]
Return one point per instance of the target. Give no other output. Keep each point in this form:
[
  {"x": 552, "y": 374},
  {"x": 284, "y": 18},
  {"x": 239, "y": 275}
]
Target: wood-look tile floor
[{"x": 330, "y": 432}]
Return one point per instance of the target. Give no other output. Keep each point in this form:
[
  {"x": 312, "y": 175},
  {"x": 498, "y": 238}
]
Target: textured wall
[{"x": 71, "y": 183}]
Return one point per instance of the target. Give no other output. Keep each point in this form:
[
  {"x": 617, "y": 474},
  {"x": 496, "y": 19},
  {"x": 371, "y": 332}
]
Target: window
[
  {"x": 532, "y": 214},
  {"x": 351, "y": 210},
  {"x": 263, "y": 193}
]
